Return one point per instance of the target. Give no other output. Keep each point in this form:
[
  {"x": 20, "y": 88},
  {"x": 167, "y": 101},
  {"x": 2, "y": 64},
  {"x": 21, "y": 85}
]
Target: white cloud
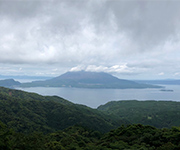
[
  {"x": 176, "y": 74},
  {"x": 161, "y": 74},
  {"x": 123, "y": 68},
  {"x": 125, "y": 37}
]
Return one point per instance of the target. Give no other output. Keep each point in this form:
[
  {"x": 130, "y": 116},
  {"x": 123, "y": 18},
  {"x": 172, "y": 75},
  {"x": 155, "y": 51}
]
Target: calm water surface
[{"x": 95, "y": 97}]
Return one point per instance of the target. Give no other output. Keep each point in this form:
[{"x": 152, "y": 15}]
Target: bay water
[{"x": 96, "y": 97}]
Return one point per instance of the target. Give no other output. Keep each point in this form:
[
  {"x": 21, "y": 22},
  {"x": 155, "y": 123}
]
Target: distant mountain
[
  {"x": 23, "y": 77},
  {"x": 164, "y": 82},
  {"x": 9, "y": 83},
  {"x": 83, "y": 79}
]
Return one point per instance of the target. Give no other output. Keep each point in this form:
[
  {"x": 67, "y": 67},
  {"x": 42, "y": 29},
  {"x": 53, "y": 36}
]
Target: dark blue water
[{"x": 95, "y": 97}]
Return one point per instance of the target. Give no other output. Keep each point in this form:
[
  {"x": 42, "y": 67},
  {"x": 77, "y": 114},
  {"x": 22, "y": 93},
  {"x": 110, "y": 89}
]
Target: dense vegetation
[
  {"x": 156, "y": 113},
  {"x": 131, "y": 137},
  {"x": 29, "y": 121},
  {"x": 28, "y": 112},
  {"x": 82, "y": 79}
]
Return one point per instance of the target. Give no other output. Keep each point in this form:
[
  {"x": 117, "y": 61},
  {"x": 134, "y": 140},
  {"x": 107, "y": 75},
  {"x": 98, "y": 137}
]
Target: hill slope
[
  {"x": 156, "y": 113},
  {"x": 9, "y": 83},
  {"x": 82, "y": 79},
  {"x": 28, "y": 112}
]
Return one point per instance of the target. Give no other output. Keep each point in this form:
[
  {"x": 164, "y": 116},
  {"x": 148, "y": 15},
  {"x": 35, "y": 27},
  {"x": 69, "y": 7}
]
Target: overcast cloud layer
[{"x": 130, "y": 39}]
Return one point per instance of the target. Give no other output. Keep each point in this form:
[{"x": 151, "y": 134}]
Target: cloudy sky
[{"x": 137, "y": 39}]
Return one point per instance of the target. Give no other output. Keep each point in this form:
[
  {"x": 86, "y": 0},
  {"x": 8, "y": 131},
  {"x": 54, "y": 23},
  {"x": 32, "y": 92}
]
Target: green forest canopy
[{"x": 31, "y": 121}]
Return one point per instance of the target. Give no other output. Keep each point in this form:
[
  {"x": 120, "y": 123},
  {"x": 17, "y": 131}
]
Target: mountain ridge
[
  {"x": 9, "y": 83},
  {"x": 28, "y": 112},
  {"x": 160, "y": 82},
  {"x": 161, "y": 114},
  {"x": 83, "y": 79}
]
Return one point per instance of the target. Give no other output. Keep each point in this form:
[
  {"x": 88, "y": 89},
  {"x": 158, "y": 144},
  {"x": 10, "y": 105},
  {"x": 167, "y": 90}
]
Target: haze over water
[{"x": 95, "y": 97}]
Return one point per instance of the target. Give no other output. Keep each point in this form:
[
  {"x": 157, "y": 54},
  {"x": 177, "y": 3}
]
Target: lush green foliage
[
  {"x": 28, "y": 112},
  {"x": 132, "y": 137},
  {"x": 29, "y": 121},
  {"x": 142, "y": 137},
  {"x": 156, "y": 113}
]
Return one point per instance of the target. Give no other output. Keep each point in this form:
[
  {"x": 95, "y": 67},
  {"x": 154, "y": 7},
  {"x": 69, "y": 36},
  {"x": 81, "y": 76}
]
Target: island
[{"x": 84, "y": 79}]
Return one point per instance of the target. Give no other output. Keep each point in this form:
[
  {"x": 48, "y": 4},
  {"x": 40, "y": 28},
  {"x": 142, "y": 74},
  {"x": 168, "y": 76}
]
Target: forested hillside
[
  {"x": 31, "y": 121},
  {"x": 28, "y": 112},
  {"x": 156, "y": 113}
]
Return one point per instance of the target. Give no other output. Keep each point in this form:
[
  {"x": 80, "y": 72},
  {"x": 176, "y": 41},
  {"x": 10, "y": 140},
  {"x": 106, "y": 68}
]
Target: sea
[{"x": 96, "y": 97}]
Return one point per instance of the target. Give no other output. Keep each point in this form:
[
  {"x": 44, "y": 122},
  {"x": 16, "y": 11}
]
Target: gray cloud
[
  {"x": 98, "y": 35},
  {"x": 18, "y": 9},
  {"x": 147, "y": 22}
]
